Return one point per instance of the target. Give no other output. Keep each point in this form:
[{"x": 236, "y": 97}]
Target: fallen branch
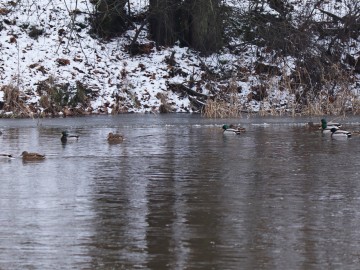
[
  {"x": 183, "y": 88},
  {"x": 197, "y": 103},
  {"x": 335, "y": 17}
]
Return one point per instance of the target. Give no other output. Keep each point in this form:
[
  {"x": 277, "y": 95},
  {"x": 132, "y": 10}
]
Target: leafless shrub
[
  {"x": 35, "y": 32},
  {"x": 56, "y": 96}
]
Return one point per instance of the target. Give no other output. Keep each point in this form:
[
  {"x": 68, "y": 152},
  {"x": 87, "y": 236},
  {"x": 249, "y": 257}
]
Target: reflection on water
[{"x": 177, "y": 194}]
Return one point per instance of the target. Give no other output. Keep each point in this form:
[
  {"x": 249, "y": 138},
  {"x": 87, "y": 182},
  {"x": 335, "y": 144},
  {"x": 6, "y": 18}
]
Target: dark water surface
[{"x": 178, "y": 194}]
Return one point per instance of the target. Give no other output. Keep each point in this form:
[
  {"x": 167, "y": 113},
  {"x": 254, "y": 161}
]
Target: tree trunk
[
  {"x": 195, "y": 23},
  {"x": 162, "y": 21},
  {"x": 110, "y": 17},
  {"x": 205, "y": 26}
]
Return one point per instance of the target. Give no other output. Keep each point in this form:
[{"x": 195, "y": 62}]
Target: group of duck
[
  {"x": 112, "y": 138},
  {"x": 331, "y": 128}
]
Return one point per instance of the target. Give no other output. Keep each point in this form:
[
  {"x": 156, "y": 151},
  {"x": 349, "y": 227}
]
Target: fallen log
[{"x": 183, "y": 88}]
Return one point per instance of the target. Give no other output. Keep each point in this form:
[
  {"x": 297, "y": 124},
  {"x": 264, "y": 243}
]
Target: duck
[
  {"x": 326, "y": 127},
  {"x": 7, "y": 156},
  {"x": 339, "y": 133},
  {"x": 65, "y": 137},
  {"x": 115, "y": 138},
  {"x": 311, "y": 124},
  {"x": 32, "y": 156},
  {"x": 237, "y": 127},
  {"x": 233, "y": 129}
]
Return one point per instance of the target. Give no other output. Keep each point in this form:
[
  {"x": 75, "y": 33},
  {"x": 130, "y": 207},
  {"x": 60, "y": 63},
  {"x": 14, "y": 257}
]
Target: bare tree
[{"x": 195, "y": 23}]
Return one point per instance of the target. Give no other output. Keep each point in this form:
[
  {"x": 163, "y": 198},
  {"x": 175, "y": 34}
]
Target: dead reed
[
  {"x": 230, "y": 107},
  {"x": 13, "y": 102}
]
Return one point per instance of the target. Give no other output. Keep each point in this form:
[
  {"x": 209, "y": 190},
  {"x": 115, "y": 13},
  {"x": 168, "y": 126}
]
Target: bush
[{"x": 35, "y": 32}]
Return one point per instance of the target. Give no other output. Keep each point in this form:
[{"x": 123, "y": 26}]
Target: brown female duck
[
  {"x": 32, "y": 156},
  {"x": 115, "y": 138}
]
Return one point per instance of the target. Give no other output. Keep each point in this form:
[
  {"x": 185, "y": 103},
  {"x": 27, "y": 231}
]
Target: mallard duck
[
  {"x": 339, "y": 133},
  {"x": 7, "y": 156},
  {"x": 233, "y": 129},
  {"x": 65, "y": 137},
  {"x": 115, "y": 138},
  {"x": 237, "y": 128},
  {"x": 313, "y": 126},
  {"x": 32, "y": 156},
  {"x": 326, "y": 127}
]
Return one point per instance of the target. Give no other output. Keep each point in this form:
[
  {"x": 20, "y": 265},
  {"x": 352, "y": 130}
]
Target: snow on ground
[
  {"x": 67, "y": 53},
  {"x": 105, "y": 67}
]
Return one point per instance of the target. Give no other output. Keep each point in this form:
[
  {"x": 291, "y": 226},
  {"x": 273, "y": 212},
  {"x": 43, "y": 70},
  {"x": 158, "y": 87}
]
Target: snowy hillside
[{"x": 46, "y": 52}]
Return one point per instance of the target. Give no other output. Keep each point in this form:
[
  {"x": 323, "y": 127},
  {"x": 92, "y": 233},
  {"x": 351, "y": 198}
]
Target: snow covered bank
[{"x": 47, "y": 57}]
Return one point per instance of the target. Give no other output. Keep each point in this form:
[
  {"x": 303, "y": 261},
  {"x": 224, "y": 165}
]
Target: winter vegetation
[{"x": 220, "y": 58}]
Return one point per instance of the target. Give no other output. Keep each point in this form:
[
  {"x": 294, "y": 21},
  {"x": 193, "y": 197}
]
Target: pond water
[{"x": 178, "y": 194}]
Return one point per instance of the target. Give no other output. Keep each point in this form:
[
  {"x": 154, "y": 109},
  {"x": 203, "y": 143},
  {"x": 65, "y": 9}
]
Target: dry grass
[
  {"x": 119, "y": 108},
  {"x": 11, "y": 96},
  {"x": 230, "y": 108},
  {"x": 345, "y": 102},
  {"x": 220, "y": 109},
  {"x": 57, "y": 96},
  {"x": 165, "y": 106},
  {"x": 13, "y": 101},
  {"x": 356, "y": 106}
]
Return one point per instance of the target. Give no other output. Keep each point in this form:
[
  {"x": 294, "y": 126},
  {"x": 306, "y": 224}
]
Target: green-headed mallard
[
  {"x": 233, "y": 129},
  {"x": 115, "y": 138},
  {"x": 66, "y": 137},
  {"x": 339, "y": 133},
  {"x": 32, "y": 156},
  {"x": 326, "y": 127}
]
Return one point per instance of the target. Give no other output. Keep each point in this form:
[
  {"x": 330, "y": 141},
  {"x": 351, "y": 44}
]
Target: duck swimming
[
  {"x": 326, "y": 127},
  {"x": 115, "y": 138},
  {"x": 32, "y": 156},
  {"x": 5, "y": 156},
  {"x": 65, "y": 137},
  {"x": 233, "y": 129},
  {"x": 339, "y": 133}
]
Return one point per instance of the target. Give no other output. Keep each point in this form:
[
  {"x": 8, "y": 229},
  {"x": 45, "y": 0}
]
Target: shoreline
[{"x": 11, "y": 115}]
